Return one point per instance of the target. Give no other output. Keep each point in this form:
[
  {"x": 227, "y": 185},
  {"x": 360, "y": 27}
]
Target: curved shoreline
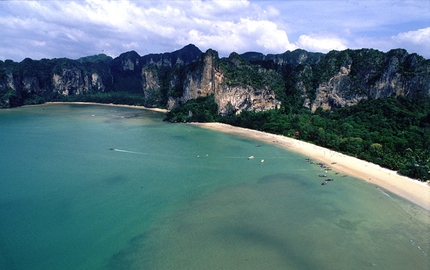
[{"x": 407, "y": 188}]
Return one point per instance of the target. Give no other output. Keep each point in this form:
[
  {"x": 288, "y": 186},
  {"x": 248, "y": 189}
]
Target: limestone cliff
[
  {"x": 31, "y": 82},
  {"x": 251, "y": 81},
  {"x": 368, "y": 74},
  {"x": 71, "y": 81},
  {"x": 155, "y": 72},
  {"x": 151, "y": 84},
  {"x": 9, "y": 90},
  {"x": 336, "y": 92},
  {"x": 209, "y": 78}
]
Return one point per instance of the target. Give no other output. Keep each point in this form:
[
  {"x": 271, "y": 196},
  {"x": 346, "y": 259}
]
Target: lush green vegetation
[
  {"x": 391, "y": 132},
  {"x": 240, "y": 72},
  {"x": 106, "y": 98},
  {"x": 202, "y": 109},
  {"x": 97, "y": 97}
]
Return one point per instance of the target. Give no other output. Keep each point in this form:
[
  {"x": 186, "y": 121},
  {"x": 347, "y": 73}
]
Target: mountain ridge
[{"x": 248, "y": 81}]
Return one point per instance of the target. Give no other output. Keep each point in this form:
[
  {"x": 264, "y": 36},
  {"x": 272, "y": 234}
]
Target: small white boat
[
  {"x": 251, "y": 157},
  {"x": 262, "y": 160}
]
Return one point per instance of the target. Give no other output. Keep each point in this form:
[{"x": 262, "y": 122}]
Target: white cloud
[
  {"x": 321, "y": 43},
  {"x": 245, "y": 35},
  {"x": 269, "y": 38},
  {"x": 228, "y": 5},
  {"x": 414, "y": 41},
  {"x": 271, "y": 11},
  {"x": 131, "y": 46},
  {"x": 215, "y": 9},
  {"x": 73, "y": 29},
  {"x": 39, "y": 43},
  {"x": 418, "y": 37},
  {"x": 115, "y": 14}
]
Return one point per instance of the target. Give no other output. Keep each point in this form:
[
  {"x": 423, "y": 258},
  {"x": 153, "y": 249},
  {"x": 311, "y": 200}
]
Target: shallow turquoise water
[{"x": 173, "y": 196}]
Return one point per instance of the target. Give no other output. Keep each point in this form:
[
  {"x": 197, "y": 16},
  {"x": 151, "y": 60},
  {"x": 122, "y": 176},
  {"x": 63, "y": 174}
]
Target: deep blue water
[{"x": 175, "y": 196}]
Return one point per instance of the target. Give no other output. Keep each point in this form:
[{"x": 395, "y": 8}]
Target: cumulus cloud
[
  {"x": 418, "y": 40},
  {"x": 81, "y": 28},
  {"x": 245, "y": 35},
  {"x": 321, "y": 43},
  {"x": 415, "y": 41},
  {"x": 417, "y": 37},
  {"x": 48, "y": 29}
]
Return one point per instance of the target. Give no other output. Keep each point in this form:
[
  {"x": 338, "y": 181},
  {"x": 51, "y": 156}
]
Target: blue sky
[{"x": 72, "y": 29}]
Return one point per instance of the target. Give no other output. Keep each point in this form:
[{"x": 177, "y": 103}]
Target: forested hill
[{"x": 367, "y": 103}]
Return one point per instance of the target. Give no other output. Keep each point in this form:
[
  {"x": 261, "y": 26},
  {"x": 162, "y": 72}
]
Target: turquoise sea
[{"x": 176, "y": 196}]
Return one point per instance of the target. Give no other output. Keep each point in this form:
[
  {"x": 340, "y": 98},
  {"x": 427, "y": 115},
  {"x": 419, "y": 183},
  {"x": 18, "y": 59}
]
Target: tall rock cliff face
[
  {"x": 71, "y": 81},
  {"x": 369, "y": 74},
  {"x": 151, "y": 87},
  {"x": 251, "y": 81},
  {"x": 162, "y": 74},
  {"x": 405, "y": 75},
  {"x": 203, "y": 80},
  {"x": 30, "y": 85},
  {"x": 8, "y": 90},
  {"x": 235, "y": 99},
  {"x": 32, "y": 81},
  {"x": 209, "y": 78},
  {"x": 336, "y": 92},
  {"x": 343, "y": 78},
  {"x": 181, "y": 82}
]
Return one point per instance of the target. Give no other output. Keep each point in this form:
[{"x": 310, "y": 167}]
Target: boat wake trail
[
  {"x": 383, "y": 192},
  {"x": 142, "y": 153},
  {"x": 414, "y": 244},
  {"x": 130, "y": 152}
]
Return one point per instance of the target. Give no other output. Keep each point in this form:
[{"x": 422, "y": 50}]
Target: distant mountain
[
  {"x": 95, "y": 58},
  {"x": 184, "y": 56},
  {"x": 250, "y": 81},
  {"x": 296, "y": 57}
]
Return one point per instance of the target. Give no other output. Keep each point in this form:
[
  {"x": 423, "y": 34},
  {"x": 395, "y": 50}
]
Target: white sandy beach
[{"x": 412, "y": 190}]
